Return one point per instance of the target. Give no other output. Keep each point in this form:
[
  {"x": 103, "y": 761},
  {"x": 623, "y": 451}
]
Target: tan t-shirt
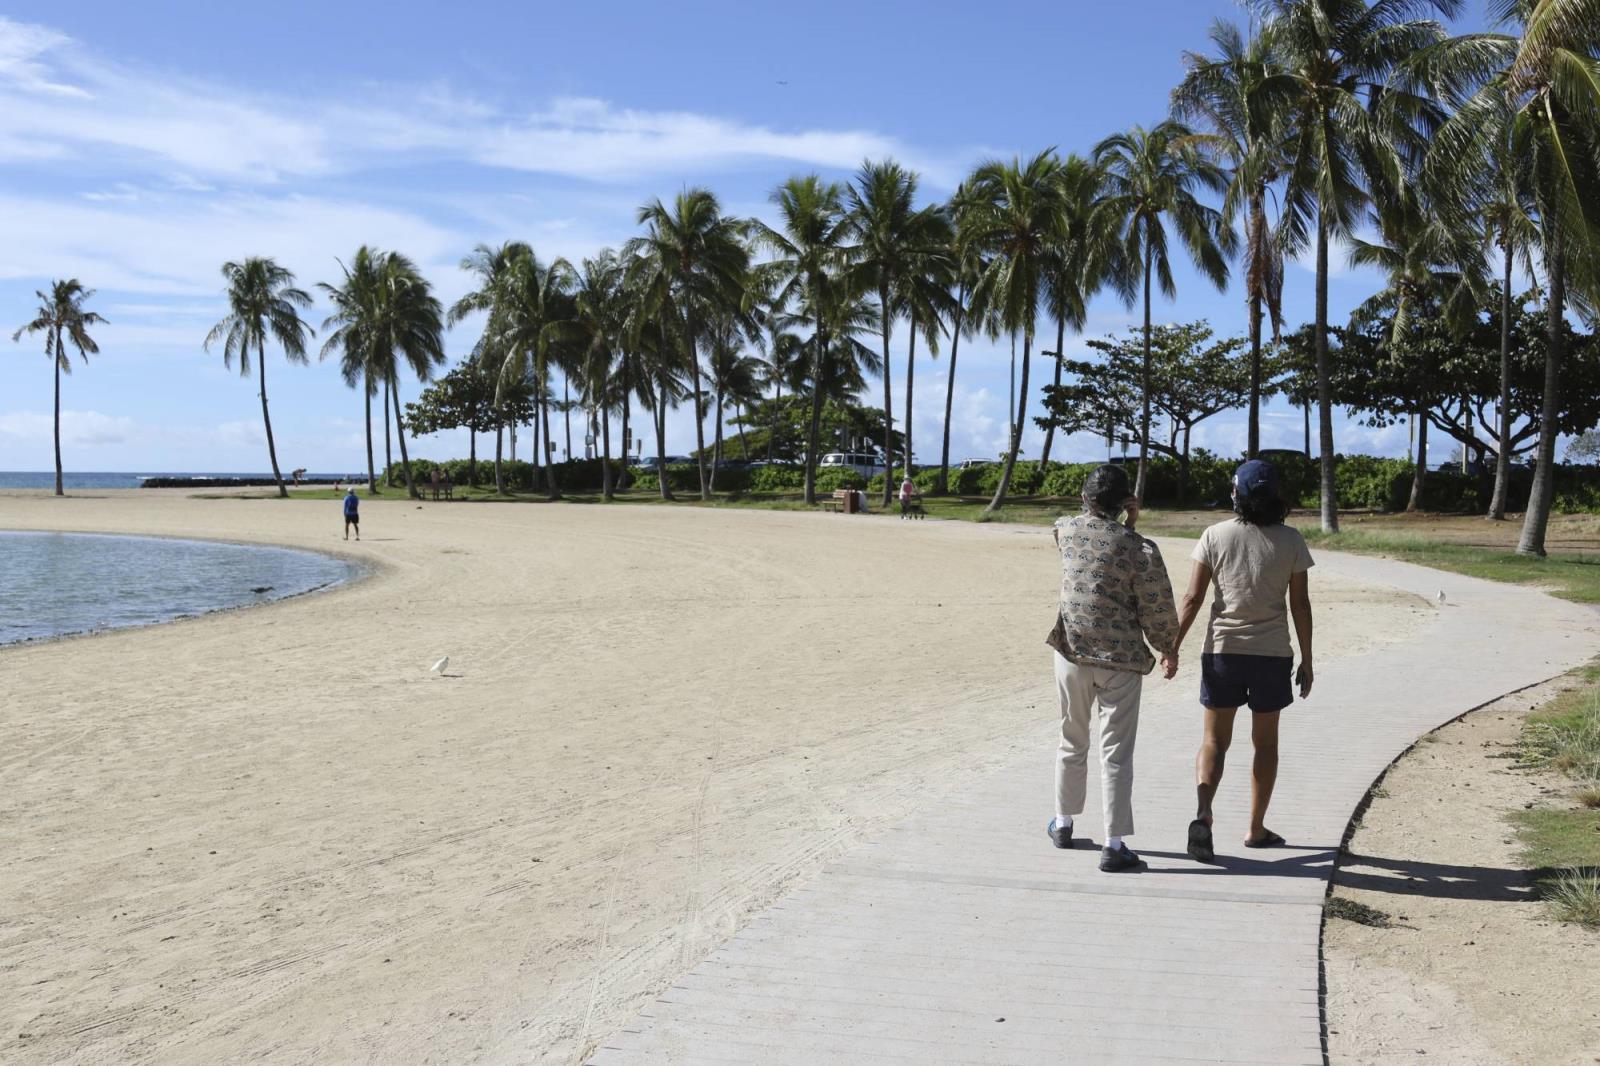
[{"x": 1251, "y": 567}]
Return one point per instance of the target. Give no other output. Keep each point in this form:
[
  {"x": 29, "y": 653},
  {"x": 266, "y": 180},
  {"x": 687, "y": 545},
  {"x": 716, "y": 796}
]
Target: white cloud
[
  {"x": 56, "y": 101},
  {"x": 82, "y": 428}
]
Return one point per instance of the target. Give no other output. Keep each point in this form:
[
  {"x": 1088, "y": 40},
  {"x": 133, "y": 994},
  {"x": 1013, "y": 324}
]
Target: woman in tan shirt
[{"x": 1252, "y": 563}]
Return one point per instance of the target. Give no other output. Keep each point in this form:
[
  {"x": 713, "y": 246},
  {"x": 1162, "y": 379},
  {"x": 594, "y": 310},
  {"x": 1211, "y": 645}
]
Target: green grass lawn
[
  {"x": 1570, "y": 576},
  {"x": 1562, "y": 843}
]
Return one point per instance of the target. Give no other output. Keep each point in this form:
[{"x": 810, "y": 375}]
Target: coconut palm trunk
[
  {"x": 607, "y": 488},
  {"x": 911, "y": 380},
  {"x": 272, "y": 449},
  {"x": 552, "y": 488},
  {"x": 1258, "y": 224},
  {"x": 566, "y": 410},
  {"x": 1502, "y": 458},
  {"x": 627, "y": 439},
  {"x": 1016, "y": 430},
  {"x": 814, "y": 427},
  {"x": 1330, "y": 499},
  {"x": 772, "y": 433},
  {"x": 1544, "y": 479},
  {"x": 887, "y": 318},
  {"x": 744, "y": 447},
  {"x": 716, "y": 441},
  {"x": 1050, "y": 430},
  {"x": 1419, "y": 473},
  {"x": 56, "y": 355},
  {"x": 499, "y": 474},
  {"x": 699, "y": 419},
  {"x": 659, "y": 419},
  {"x": 1144, "y": 376},
  {"x": 388, "y": 455},
  {"x": 400, "y": 432},
  {"x": 372, "y": 476},
  {"x": 950, "y": 391}
]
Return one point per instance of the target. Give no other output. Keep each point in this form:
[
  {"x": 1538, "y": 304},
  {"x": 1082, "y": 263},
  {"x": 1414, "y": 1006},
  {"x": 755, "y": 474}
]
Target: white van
[{"x": 863, "y": 463}]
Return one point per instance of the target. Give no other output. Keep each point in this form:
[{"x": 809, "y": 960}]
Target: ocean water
[
  {"x": 46, "y": 479},
  {"x": 53, "y": 584}
]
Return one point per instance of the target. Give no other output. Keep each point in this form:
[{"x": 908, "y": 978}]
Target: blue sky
[{"x": 141, "y": 147}]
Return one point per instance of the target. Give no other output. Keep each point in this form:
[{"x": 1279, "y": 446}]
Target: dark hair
[
  {"x": 1260, "y": 508},
  {"x": 1107, "y": 487}
]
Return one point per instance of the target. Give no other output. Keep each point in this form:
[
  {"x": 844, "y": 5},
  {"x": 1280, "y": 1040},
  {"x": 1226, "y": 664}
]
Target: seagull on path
[
  {"x": 440, "y": 666},
  {"x": 1441, "y": 597}
]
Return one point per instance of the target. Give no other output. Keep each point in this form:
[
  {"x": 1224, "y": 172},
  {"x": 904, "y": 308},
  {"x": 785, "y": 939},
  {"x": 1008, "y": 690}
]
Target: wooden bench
[{"x": 837, "y": 503}]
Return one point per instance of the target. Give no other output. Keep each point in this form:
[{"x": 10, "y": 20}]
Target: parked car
[
  {"x": 863, "y": 463},
  {"x": 1281, "y": 453},
  {"x": 968, "y": 464}
]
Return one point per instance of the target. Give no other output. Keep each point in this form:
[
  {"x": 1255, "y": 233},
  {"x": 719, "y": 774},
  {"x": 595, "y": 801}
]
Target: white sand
[{"x": 270, "y": 835}]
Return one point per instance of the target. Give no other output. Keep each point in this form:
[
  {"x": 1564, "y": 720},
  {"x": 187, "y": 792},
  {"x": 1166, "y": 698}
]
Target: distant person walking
[
  {"x": 352, "y": 513},
  {"x": 908, "y": 493},
  {"x": 1115, "y": 596},
  {"x": 1251, "y": 562}
]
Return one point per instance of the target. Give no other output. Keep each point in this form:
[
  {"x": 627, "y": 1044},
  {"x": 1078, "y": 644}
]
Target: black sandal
[
  {"x": 1200, "y": 844},
  {"x": 1271, "y": 840}
]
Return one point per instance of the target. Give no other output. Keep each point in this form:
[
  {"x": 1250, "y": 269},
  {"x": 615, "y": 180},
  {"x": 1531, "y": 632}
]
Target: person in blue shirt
[{"x": 352, "y": 514}]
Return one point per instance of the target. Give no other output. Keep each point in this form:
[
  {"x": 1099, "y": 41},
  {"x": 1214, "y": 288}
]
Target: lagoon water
[{"x": 52, "y": 584}]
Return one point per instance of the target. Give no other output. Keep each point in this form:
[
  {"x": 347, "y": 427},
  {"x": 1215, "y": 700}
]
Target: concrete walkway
[{"x": 964, "y": 937}]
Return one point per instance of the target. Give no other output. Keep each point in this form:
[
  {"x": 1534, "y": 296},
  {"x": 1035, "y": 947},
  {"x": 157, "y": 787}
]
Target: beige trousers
[{"x": 1116, "y": 692}]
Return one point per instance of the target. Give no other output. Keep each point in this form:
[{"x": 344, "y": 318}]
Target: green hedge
[{"x": 575, "y": 475}]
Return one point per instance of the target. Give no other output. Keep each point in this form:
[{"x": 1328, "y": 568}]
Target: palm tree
[
  {"x": 1507, "y": 214},
  {"x": 262, "y": 300},
  {"x": 1216, "y": 90},
  {"x": 492, "y": 267},
  {"x": 352, "y": 302},
  {"x": 736, "y": 378},
  {"x": 1434, "y": 265},
  {"x": 812, "y": 255},
  {"x": 532, "y": 305},
  {"x": 1538, "y": 94},
  {"x": 1351, "y": 127},
  {"x": 1151, "y": 178},
  {"x": 691, "y": 263},
  {"x": 401, "y": 323},
  {"x": 966, "y": 264},
  {"x": 1018, "y": 216},
  {"x": 597, "y": 327},
  {"x": 1087, "y": 258},
  {"x": 62, "y": 319}
]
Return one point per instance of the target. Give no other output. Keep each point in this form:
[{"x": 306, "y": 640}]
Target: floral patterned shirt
[{"x": 1115, "y": 596}]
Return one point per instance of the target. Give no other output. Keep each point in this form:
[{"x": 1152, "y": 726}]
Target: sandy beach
[{"x": 270, "y": 835}]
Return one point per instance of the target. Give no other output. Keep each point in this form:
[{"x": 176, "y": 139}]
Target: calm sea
[
  {"x": 52, "y": 584},
  {"x": 46, "y": 479}
]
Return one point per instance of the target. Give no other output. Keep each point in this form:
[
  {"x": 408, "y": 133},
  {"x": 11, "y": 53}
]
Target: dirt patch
[{"x": 1457, "y": 959}]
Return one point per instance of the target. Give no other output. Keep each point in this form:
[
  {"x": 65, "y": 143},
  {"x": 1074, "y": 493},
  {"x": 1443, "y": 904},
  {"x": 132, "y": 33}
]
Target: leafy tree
[
  {"x": 785, "y": 424},
  {"x": 262, "y": 300},
  {"x": 811, "y": 257},
  {"x": 736, "y": 378},
  {"x": 492, "y": 268},
  {"x": 1151, "y": 180},
  {"x": 62, "y": 319},
  {"x": 1353, "y": 128},
  {"x": 466, "y": 398},
  {"x": 1192, "y": 377}
]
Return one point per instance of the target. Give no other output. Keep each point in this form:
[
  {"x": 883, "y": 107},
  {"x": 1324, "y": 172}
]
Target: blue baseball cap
[{"x": 1256, "y": 478}]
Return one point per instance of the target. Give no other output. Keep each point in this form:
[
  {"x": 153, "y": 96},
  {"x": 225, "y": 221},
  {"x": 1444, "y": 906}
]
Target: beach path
[
  {"x": 272, "y": 835},
  {"x": 963, "y": 936}
]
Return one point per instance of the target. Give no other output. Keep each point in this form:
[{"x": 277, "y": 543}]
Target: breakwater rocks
[{"x": 232, "y": 482}]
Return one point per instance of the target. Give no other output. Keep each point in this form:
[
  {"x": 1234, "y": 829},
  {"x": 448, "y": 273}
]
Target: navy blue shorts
[{"x": 1264, "y": 683}]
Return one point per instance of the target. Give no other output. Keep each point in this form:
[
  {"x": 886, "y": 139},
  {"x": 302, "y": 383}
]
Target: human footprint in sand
[{"x": 1251, "y": 562}]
